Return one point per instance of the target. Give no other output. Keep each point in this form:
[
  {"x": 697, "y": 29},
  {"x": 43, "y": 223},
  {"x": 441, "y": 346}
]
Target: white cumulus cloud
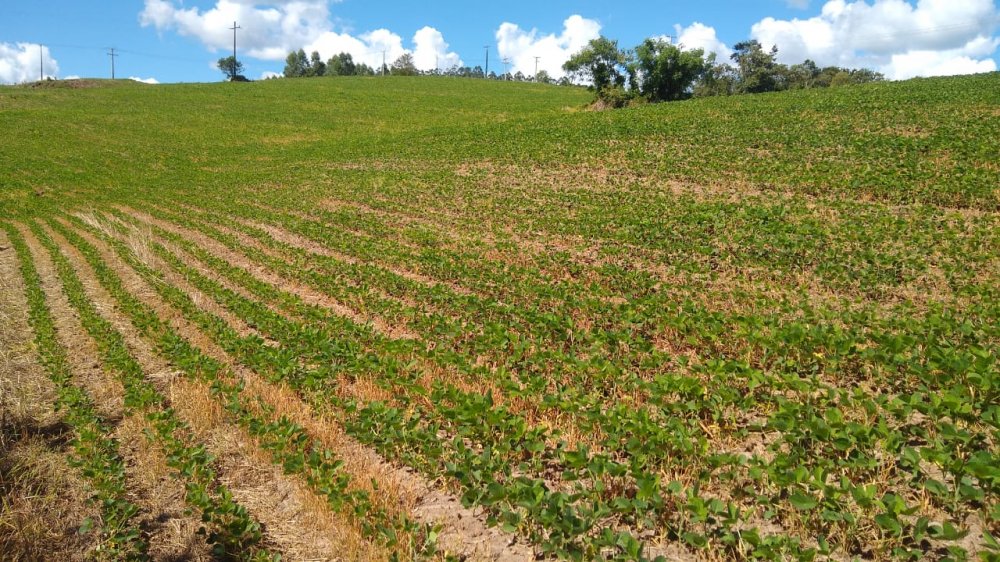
[
  {"x": 330, "y": 43},
  {"x": 900, "y": 38},
  {"x": 700, "y": 36},
  {"x": 270, "y": 29},
  {"x": 19, "y": 62},
  {"x": 521, "y": 46},
  {"x": 935, "y": 63},
  {"x": 431, "y": 51},
  {"x": 268, "y": 74},
  {"x": 144, "y": 80},
  {"x": 370, "y": 48}
]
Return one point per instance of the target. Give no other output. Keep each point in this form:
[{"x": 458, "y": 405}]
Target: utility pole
[
  {"x": 41, "y": 65},
  {"x": 383, "y": 62},
  {"x": 536, "y": 66},
  {"x": 232, "y": 77},
  {"x": 486, "y": 73},
  {"x": 113, "y": 57},
  {"x": 506, "y": 65}
]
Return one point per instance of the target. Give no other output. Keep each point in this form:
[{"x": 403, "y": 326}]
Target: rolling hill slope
[{"x": 456, "y": 317}]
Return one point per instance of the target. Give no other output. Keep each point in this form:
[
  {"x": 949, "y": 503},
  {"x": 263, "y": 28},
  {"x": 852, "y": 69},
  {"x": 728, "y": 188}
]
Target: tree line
[
  {"x": 657, "y": 70},
  {"x": 654, "y": 71},
  {"x": 299, "y": 65}
]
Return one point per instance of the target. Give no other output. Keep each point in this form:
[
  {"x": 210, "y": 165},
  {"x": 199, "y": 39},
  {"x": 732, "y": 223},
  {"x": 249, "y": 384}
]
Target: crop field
[{"x": 431, "y": 318}]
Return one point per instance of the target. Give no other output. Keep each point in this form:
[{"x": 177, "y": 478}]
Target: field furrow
[
  {"x": 740, "y": 442},
  {"x": 234, "y": 532},
  {"x": 221, "y": 251},
  {"x": 98, "y": 457},
  {"x": 169, "y": 531},
  {"x": 398, "y": 494},
  {"x": 464, "y": 426},
  {"x": 300, "y": 521},
  {"x": 43, "y": 498}
]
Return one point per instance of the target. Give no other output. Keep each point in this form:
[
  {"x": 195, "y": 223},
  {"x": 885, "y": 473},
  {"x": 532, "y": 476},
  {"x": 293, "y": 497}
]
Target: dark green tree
[
  {"x": 665, "y": 72},
  {"x": 341, "y": 65},
  {"x": 232, "y": 68},
  {"x": 296, "y": 64},
  {"x": 808, "y": 75},
  {"x": 316, "y": 65},
  {"x": 404, "y": 66},
  {"x": 758, "y": 69},
  {"x": 719, "y": 79},
  {"x": 601, "y": 63},
  {"x": 803, "y": 76}
]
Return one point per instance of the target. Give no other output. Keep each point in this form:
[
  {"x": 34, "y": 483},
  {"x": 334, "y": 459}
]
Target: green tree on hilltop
[
  {"x": 341, "y": 65},
  {"x": 665, "y": 72},
  {"x": 296, "y": 64},
  {"x": 232, "y": 68},
  {"x": 316, "y": 65},
  {"x": 601, "y": 63},
  {"x": 758, "y": 69},
  {"x": 404, "y": 66}
]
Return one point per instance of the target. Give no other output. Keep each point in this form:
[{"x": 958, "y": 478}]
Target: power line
[
  {"x": 155, "y": 56},
  {"x": 925, "y": 30},
  {"x": 64, "y": 46}
]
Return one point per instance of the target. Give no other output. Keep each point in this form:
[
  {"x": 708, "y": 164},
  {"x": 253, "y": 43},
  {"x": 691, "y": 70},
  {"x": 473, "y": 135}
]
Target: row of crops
[{"x": 583, "y": 403}]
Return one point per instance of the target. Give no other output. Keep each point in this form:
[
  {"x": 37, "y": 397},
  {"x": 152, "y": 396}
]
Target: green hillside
[
  {"x": 928, "y": 141},
  {"x": 761, "y": 326}
]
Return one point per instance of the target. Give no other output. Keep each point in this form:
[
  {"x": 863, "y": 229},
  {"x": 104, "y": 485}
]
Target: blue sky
[{"x": 179, "y": 40}]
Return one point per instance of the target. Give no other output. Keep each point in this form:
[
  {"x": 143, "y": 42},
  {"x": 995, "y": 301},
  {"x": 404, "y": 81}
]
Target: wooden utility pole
[
  {"x": 41, "y": 65},
  {"x": 536, "y": 66},
  {"x": 486, "y": 73},
  {"x": 113, "y": 57},
  {"x": 232, "y": 77}
]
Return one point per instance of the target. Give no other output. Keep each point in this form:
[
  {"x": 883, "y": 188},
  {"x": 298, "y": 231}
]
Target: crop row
[
  {"x": 230, "y": 529},
  {"x": 497, "y": 439},
  {"x": 875, "y": 344},
  {"x": 289, "y": 444},
  {"x": 712, "y": 413},
  {"x": 804, "y": 445},
  {"x": 96, "y": 454}
]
